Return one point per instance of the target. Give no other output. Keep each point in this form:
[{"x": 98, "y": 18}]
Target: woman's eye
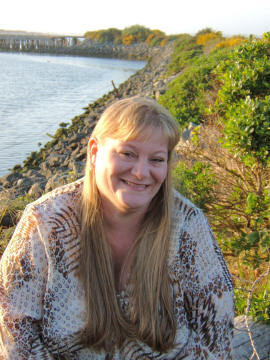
[
  {"x": 127, "y": 154},
  {"x": 158, "y": 160}
]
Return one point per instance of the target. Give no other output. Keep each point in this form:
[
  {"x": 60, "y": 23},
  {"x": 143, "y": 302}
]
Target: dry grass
[{"x": 11, "y": 209}]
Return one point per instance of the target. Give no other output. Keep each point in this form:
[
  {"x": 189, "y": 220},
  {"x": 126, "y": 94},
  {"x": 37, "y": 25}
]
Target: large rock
[
  {"x": 242, "y": 349},
  {"x": 9, "y": 180},
  {"x": 35, "y": 190}
]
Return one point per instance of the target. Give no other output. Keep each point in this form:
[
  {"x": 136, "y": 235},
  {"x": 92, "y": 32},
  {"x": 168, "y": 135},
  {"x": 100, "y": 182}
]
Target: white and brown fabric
[{"x": 42, "y": 310}]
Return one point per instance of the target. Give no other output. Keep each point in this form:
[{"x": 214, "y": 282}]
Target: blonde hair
[{"x": 149, "y": 317}]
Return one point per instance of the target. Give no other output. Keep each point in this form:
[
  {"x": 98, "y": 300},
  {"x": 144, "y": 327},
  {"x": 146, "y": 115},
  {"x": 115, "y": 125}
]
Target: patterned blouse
[{"x": 42, "y": 310}]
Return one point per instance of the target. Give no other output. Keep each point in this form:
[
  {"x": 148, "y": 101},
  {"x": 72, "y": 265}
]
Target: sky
[{"x": 231, "y": 17}]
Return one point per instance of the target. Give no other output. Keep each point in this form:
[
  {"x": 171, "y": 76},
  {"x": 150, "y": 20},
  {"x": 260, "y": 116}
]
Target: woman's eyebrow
[
  {"x": 155, "y": 152},
  {"x": 137, "y": 146}
]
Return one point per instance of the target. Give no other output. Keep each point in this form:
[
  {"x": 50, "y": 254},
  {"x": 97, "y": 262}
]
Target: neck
[
  {"x": 116, "y": 220},
  {"x": 121, "y": 231}
]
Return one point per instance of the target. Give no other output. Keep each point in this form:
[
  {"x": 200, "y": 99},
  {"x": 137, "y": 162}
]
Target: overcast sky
[{"x": 171, "y": 16}]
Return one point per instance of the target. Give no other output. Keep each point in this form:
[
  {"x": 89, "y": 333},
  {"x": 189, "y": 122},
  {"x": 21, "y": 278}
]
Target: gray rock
[
  {"x": 57, "y": 180},
  {"x": 242, "y": 349},
  {"x": 10, "y": 179},
  {"x": 77, "y": 168},
  {"x": 35, "y": 190},
  {"x": 25, "y": 183},
  {"x": 75, "y": 152},
  {"x": 7, "y": 220},
  {"x": 82, "y": 155},
  {"x": 32, "y": 173},
  {"x": 36, "y": 177},
  {"x": 45, "y": 169},
  {"x": 55, "y": 160},
  {"x": 187, "y": 132}
]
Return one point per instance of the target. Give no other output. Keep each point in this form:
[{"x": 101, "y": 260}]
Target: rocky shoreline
[{"x": 62, "y": 159}]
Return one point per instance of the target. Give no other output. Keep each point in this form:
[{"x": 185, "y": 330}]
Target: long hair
[{"x": 149, "y": 316}]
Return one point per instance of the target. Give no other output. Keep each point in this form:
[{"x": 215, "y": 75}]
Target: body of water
[{"x": 38, "y": 92}]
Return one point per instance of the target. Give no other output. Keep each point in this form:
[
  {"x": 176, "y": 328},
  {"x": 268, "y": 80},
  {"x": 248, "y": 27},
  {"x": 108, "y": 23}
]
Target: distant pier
[
  {"x": 26, "y": 42},
  {"x": 36, "y": 42}
]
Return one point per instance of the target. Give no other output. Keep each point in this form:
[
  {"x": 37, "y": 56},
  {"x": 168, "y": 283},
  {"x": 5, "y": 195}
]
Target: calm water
[{"x": 37, "y": 92}]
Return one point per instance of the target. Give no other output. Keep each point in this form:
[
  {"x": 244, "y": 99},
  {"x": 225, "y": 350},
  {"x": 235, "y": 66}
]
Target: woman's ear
[{"x": 93, "y": 149}]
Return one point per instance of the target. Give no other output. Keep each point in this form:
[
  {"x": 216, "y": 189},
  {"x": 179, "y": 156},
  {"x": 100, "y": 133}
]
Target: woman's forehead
[
  {"x": 144, "y": 133},
  {"x": 154, "y": 139}
]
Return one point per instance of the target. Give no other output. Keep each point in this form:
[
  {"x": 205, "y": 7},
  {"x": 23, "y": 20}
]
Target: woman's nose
[{"x": 140, "y": 169}]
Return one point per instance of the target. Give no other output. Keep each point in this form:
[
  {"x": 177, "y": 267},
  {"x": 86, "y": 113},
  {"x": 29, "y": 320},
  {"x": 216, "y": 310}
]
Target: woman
[{"x": 117, "y": 265}]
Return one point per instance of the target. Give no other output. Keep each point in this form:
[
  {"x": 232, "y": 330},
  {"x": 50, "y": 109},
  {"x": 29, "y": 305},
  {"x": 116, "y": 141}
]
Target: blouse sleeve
[
  {"x": 203, "y": 291},
  {"x": 23, "y": 274}
]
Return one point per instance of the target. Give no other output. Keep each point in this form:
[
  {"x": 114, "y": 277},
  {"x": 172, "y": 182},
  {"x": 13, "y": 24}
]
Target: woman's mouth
[{"x": 135, "y": 186}]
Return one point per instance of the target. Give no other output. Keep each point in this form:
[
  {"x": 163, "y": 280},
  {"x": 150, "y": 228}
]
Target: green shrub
[
  {"x": 186, "y": 49},
  {"x": 260, "y": 309},
  {"x": 187, "y": 95},
  {"x": 247, "y": 129},
  {"x": 108, "y": 35},
  {"x": 243, "y": 101},
  {"x": 138, "y": 32},
  {"x": 195, "y": 183},
  {"x": 245, "y": 73},
  {"x": 259, "y": 299},
  {"x": 225, "y": 170}
]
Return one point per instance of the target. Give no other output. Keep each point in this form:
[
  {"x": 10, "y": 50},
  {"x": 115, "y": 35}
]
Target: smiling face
[{"x": 129, "y": 173}]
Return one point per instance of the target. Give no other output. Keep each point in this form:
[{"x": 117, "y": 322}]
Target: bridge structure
[{"x": 28, "y": 42}]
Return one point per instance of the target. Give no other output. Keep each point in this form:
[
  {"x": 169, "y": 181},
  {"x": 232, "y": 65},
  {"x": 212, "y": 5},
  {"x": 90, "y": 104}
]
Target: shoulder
[
  {"x": 194, "y": 244},
  {"x": 188, "y": 219},
  {"x": 183, "y": 208},
  {"x": 65, "y": 198},
  {"x": 63, "y": 195},
  {"x": 190, "y": 228},
  {"x": 182, "y": 214}
]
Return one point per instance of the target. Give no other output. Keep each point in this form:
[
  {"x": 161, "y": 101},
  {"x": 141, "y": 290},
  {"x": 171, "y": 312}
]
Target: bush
[
  {"x": 195, "y": 183},
  {"x": 225, "y": 166},
  {"x": 203, "y": 39},
  {"x": 137, "y": 32},
  {"x": 109, "y": 35},
  {"x": 187, "y": 95},
  {"x": 230, "y": 42},
  {"x": 247, "y": 129},
  {"x": 186, "y": 50},
  {"x": 246, "y": 72},
  {"x": 130, "y": 35},
  {"x": 243, "y": 100}
]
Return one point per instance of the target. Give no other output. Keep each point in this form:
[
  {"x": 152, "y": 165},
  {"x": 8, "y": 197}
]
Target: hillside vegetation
[
  {"x": 219, "y": 92},
  {"x": 130, "y": 35}
]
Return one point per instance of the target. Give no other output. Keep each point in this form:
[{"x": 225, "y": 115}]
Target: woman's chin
[{"x": 132, "y": 204}]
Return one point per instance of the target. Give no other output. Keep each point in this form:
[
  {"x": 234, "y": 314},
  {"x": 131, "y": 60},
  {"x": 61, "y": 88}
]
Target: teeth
[{"x": 134, "y": 184}]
